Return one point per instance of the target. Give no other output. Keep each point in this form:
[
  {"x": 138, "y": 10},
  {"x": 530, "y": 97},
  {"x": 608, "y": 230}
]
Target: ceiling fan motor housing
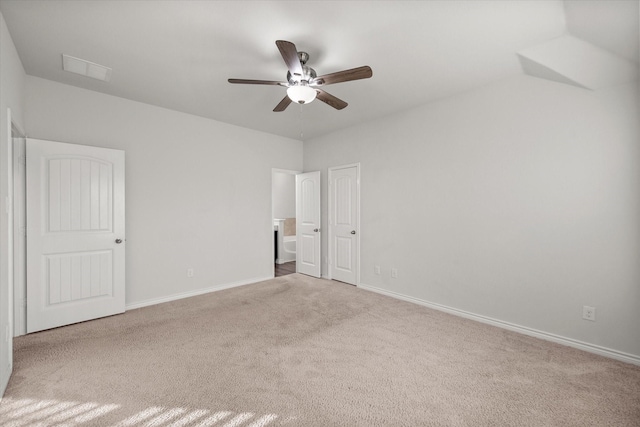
[{"x": 308, "y": 73}]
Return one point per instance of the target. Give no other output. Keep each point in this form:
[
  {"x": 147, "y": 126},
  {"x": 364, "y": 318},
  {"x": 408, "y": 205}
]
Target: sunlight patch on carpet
[{"x": 31, "y": 412}]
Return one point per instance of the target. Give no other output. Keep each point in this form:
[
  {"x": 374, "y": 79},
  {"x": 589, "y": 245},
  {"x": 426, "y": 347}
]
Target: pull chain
[{"x": 301, "y": 124}]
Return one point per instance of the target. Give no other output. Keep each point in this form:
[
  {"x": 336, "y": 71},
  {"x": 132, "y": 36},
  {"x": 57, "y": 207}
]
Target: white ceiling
[{"x": 179, "y": 54}]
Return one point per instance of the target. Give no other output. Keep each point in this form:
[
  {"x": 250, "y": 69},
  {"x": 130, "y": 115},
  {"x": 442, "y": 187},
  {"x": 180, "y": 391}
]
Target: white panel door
[
  {"x": 308, "y": 223},
  {"x": 75, "y": 233},
  {"x": 343, "y": 220},
  {"x": 19, "y": 236}
]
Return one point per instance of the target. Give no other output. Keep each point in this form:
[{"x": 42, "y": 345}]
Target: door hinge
[{"x": 23, "y": 231}]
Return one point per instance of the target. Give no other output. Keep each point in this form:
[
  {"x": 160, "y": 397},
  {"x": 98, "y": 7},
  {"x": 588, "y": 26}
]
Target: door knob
[
  {"x": 316, "y": 230},
  {"x": 353, "y": 231},
  {"x": 118, "y": 241}
]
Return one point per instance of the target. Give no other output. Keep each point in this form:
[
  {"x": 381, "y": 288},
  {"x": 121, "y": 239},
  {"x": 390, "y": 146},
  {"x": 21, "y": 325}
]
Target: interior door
[
  {"x": 75, "y": 233},
  {"x": 19, "y": 236},
  {"x": 308, "y": 224},
  {"x": 343, "y": 220}
]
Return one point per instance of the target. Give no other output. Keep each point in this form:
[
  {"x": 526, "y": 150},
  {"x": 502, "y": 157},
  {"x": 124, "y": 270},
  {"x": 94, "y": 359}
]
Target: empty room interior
[{"x": 319, "y": 213}]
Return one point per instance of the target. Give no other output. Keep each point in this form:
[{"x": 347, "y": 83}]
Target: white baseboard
[
  {"x": 591, "y": 348},
  {"x": 194, "y": 293}
]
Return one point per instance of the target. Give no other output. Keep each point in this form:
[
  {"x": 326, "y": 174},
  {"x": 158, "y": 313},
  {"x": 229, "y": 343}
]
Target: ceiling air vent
[{"x": 86, "y": 68}]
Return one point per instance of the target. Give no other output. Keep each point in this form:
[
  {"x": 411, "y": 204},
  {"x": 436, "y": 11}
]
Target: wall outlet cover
[{"x": 589, "y": 313}]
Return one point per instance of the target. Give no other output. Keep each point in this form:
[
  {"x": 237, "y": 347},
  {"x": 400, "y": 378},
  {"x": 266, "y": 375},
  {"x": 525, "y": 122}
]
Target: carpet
[{"x": 300, "y": 351}]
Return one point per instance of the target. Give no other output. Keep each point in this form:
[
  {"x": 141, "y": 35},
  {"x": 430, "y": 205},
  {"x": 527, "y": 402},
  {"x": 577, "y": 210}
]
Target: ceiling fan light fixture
[
  {"x": 302, "y": 94},
  {"x": 302, "y": 81}
]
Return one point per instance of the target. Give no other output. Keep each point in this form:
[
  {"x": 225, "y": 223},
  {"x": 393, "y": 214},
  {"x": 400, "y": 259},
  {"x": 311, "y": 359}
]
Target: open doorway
[{"x": 283, "y": 204}]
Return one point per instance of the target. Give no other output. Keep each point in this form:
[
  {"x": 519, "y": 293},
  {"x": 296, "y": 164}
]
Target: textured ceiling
[{"x": 179, "y": 54}]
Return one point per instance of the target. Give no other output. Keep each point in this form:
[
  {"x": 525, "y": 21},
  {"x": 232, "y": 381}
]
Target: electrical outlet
[
  {"x": 394, "y": 273},
  {"x": 589, "y": 313},
  {"x": 376, "y": 270},
  {"x": 190, "y": 272}
]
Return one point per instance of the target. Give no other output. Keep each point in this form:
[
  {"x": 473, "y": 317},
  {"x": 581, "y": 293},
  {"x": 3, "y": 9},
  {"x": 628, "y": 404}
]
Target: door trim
[{"x": 331, "y": 171}]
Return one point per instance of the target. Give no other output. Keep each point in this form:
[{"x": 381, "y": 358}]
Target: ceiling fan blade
[
  {"x": 282, "y": 105},
  {"x": 256, "y": 82},
  {"x": 331, "y": 100},
  {"x": 289, "y": 53},
  {"x": 344, "y": 76}
]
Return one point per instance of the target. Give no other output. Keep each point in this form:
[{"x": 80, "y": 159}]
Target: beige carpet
[{"x": 304, "y": 352}]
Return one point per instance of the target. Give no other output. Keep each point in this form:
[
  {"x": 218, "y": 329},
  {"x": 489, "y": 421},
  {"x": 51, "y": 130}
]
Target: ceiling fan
[{"x": 303, "y": 84}]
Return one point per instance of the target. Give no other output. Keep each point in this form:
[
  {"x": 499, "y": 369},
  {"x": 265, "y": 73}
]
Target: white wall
[
  {"x": 198, "y": 192},
  {"x": 519, "y": 201},
  {"x": 12, "y": 80},
  {"x": 284, "y": 195}
]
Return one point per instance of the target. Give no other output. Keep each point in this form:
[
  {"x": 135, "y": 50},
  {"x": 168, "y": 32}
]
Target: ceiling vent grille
[{"x": 86, "y": 68}]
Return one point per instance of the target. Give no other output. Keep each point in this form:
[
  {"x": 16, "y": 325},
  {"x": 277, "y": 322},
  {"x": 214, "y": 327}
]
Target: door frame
[{"x": 330, "y": 225}]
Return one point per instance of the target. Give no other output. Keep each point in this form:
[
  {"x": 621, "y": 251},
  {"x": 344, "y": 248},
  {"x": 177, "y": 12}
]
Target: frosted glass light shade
[{"x": 301, "y": 94}]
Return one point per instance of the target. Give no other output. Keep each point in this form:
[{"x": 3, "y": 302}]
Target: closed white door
[
  {"x": 308, "y": 224},
  {"x": 75, "y": 233},
  {"x": 343, "y": 223}
]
